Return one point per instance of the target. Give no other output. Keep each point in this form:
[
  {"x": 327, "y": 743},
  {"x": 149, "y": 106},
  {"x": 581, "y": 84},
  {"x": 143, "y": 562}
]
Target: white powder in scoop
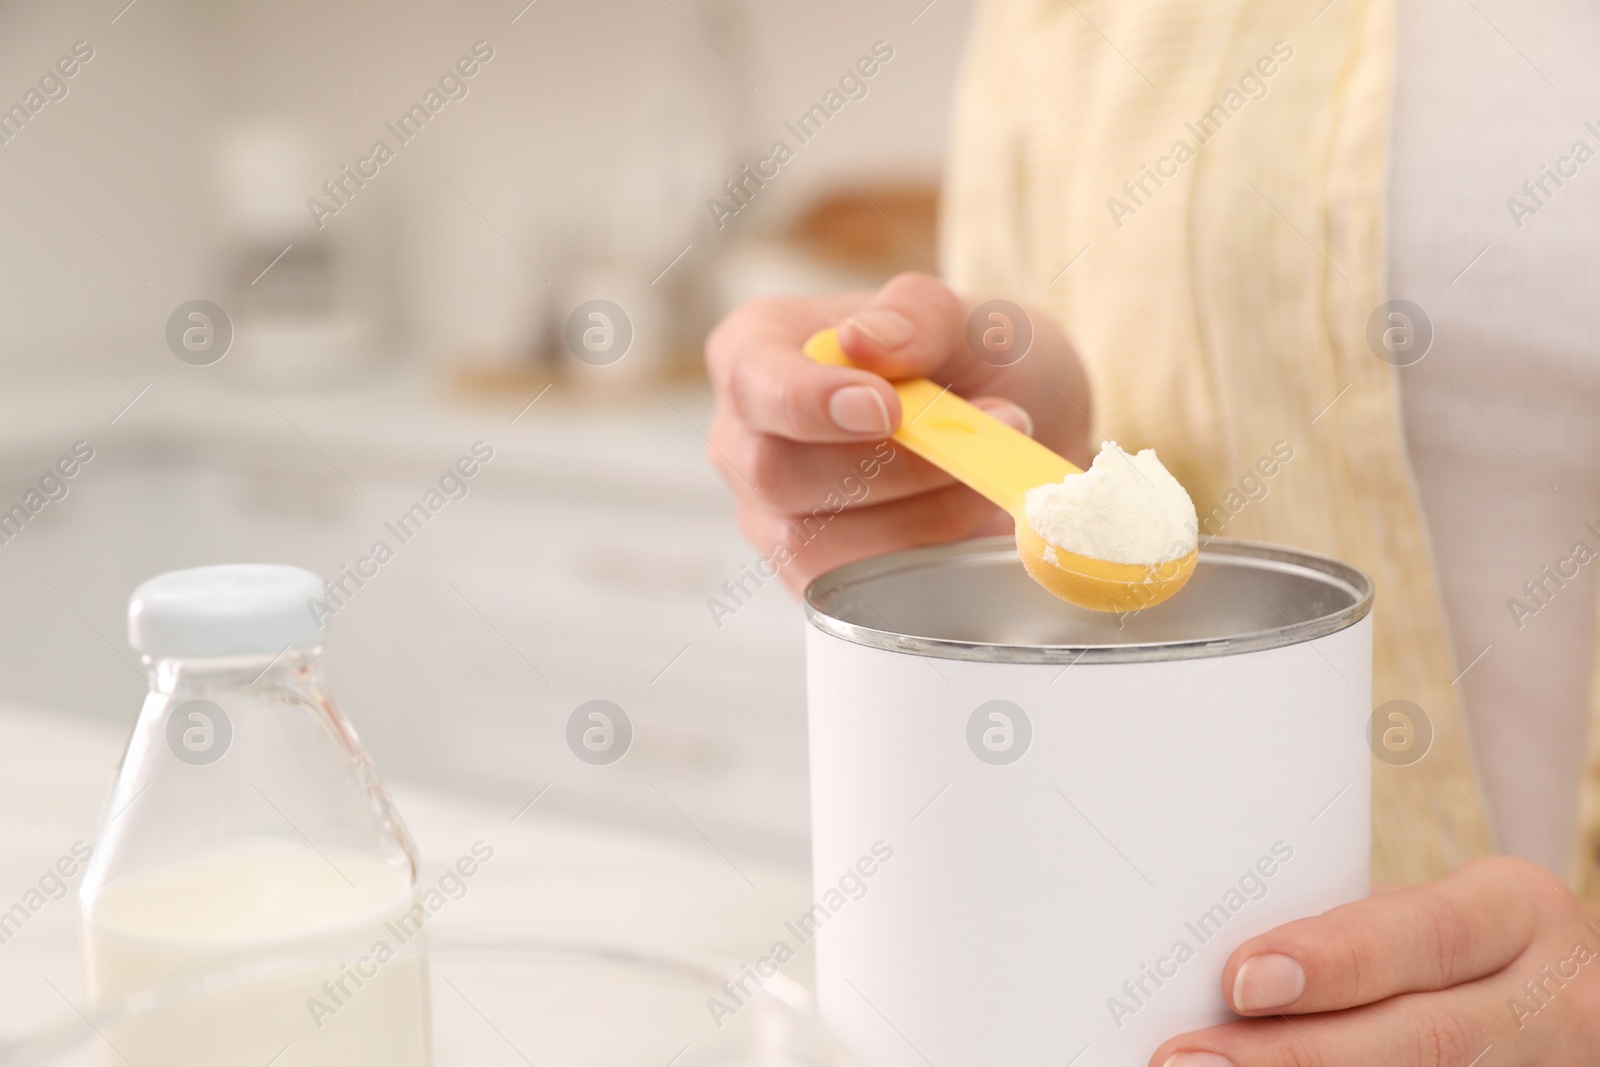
[{"x": 1123, "y": 509}]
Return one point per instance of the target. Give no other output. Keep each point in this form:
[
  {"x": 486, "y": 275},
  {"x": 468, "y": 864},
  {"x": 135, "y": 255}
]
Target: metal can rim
[{"x": 1226, "y": 551}]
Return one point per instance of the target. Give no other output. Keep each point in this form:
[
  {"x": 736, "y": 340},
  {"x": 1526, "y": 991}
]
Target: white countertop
[{"x": 548, "y": 877}]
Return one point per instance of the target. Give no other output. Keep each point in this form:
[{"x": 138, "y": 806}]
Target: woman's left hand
[{"x": 1497, "y": 965}]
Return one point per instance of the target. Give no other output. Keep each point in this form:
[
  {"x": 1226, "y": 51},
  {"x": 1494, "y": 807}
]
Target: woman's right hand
[{"x": 803, "y": 444}]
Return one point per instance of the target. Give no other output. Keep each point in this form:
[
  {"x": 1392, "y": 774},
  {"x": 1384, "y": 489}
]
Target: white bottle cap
[{"x": 237, "y": 609}]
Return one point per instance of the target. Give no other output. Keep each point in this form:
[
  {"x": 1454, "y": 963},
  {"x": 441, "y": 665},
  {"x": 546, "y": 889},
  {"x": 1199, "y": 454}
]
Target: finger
[
  {"x": 916, "y": 325},
  {"x": 1012, "y": 414},
  {"x": 777, "y": 389},
  {"x": 1426, "y": 937},
  {"x": 819, "y": 540},
  {"x": 1448, "y": 1029},
  {"x": 757, "y": 365},
  {"x": 913, "y": 326},
  {"x": 792, "y": 477}
]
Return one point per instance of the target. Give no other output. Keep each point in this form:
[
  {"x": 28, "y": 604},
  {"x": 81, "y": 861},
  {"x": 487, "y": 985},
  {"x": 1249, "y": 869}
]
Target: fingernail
[
  {"x": 859, "y": 409},
  {"x": 1268, "y": 981},
  {"x": 1198, "y": 1059},
  {"x": 889, "y": 328},
  {"x": 1013, "y": 416}
]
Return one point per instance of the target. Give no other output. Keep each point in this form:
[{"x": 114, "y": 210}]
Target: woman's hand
[
  {"x": 802, "y": 444},
  {"x": 1497, "y": 965}
]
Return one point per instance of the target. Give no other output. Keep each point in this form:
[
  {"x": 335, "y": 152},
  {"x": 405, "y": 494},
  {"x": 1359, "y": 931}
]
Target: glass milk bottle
[{"x": 247, "y": 827}]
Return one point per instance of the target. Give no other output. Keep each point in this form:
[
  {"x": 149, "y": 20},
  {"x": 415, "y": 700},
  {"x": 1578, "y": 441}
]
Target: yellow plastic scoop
[{"x": 981, "y": 451}]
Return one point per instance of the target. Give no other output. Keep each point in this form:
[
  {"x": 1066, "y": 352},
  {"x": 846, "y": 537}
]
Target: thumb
[{"x": 911, "y": 327}]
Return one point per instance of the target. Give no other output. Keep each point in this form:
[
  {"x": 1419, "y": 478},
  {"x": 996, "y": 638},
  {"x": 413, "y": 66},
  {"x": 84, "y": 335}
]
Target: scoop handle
[{"x": 959, "y": 438}]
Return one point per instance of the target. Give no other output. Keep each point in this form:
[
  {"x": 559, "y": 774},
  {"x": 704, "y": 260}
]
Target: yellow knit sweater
[{"x": 1195, "y": 188}]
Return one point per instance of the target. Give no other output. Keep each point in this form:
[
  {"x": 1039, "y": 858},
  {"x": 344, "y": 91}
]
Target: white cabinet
[{"x": 577, "y": 566}]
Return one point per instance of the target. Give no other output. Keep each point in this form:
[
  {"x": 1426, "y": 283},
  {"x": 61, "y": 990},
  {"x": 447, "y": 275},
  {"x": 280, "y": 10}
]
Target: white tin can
[{"x": 1039, "y": 832}]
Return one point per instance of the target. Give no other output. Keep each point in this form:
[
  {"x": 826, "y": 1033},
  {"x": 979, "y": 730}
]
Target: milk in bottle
[{"x": 246, "y": 828}]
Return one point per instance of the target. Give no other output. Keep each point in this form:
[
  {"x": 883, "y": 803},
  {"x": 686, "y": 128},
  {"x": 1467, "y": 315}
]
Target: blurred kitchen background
[{"x": 370, "y": 354}]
